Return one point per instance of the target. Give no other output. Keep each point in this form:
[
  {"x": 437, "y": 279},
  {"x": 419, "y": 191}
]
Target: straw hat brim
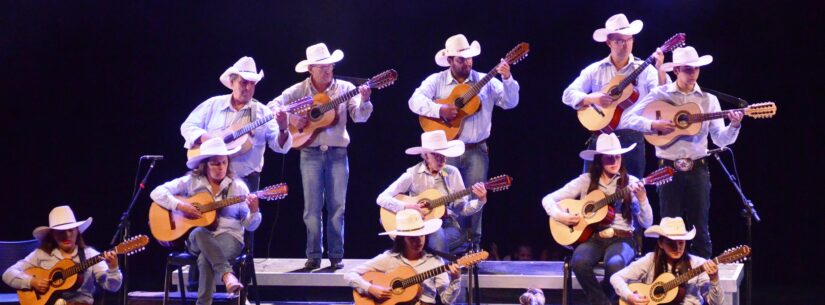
[
  {"x": 589, "y": 154},
  {"x": 430, "y": 226},
  {"x": 634, "y": 28},
  {"x": 701, "y": 61},
  {"x": 453, "y": 148},
  {"x": 194, "y": 161},
  {"x": 473, "y": 51},
  {"x": 42, "y": 231},
  {"x": 656, "y": 231},
  {"x": 303, "y": 66}
]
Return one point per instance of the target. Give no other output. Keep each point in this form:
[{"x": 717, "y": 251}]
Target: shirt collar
[
  {"x": 227, "y": 104},
  {"x": 308, "y": 83},
  {"x": 672, "y": 88},
  {"x": 611, "y": 182},
  {"x": 630, "y": 65},
  {"x": 422, "y": 169},
  {"x": 470, "y": 79}
]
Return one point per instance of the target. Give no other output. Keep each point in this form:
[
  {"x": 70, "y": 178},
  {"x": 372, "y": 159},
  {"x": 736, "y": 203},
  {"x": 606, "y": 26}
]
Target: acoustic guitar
[
  {"x": 437, "y": 202},
  {"x": 465, "y": 97},
  {"x": 322, "y": 113},
  {"x": 168, "y": 226},
  {"x": 623, "y": 92},
  {"x": 67, "y": 275},
  {"x": 405, "y": 283},
  {"x": 595, "y": 209},
  {"x": 662, "y": 290},
  {"x": 238, "y": 134},
  {"x": 686, "y": 116}
]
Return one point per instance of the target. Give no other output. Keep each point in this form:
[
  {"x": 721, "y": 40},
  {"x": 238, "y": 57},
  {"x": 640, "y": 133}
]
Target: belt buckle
[
  {"x": 324, "y": 147},
  {"x": 684, "y": 164}
]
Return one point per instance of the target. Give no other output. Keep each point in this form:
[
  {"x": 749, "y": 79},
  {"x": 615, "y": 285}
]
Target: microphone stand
[
  {"x": 124, "y": 225},
  {"x": 750, "y": 214}
]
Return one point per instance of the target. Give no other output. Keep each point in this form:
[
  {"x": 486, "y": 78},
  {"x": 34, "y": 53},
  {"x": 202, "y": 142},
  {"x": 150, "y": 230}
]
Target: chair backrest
[{"x": 13, "y": 251}]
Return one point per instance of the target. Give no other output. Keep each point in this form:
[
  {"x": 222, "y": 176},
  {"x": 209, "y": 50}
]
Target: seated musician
[
  {"x": 217, "y": 244},
  {"x": 434, "y": 173},
  {"x": 63, "y": 239},
  {"x": 614, "y": 242},
  {"x": 408, "y": 250},
  {"x": 670, "y": 256}
]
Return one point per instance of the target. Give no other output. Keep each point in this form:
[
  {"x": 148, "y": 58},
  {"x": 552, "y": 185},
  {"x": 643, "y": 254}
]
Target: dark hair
[
  {"x": 595, "y": 172},
  {"x": 47, "y": 244},
  {"x": 200, "y": 170},
  {"x": 660, "y": 261}
]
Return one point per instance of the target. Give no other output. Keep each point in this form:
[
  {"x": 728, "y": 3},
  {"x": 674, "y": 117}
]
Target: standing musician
[
  {"x": 586, "y": 88},
  {"x": 239, "y": 107},
  {"x": 458, "y": 56},
  {"x": 670, "y": 256},
  {"x": 63, "y": 239},
  {"x": 689, "y": 193},
  {"x": 614, "y": 243},
  {"x": 217, "y": 244},
  {"x": 434, "y": 173},
  {"x": 324, "y": 162},
  {"x": 408, "y": 250}
]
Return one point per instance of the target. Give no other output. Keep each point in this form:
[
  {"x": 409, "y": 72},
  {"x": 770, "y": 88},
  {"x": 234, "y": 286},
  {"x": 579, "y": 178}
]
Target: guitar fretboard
[
  {"x": 418, "y": 278},
  {"x": 223, "y": 203},
  {"x": 338, "y": 100},
  {"x": 83, "y": 266},
  {"x": 631, "y": 78},
  {"x": 679, "y": 280},
  {"x": 700, "y": 117},
  {"x": 248, "y": 128},
  {"x": 475, "y": 88}
]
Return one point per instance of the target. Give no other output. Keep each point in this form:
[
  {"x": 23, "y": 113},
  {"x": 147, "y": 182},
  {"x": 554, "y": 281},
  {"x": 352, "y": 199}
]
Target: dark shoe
[
  {"x": 313, "y": 263},
  {"x": 336, "y": 263}
]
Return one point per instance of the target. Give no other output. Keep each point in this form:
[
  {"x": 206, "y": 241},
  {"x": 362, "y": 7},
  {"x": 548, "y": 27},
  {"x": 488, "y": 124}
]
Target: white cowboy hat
[
  {"x": 457, "y": 45},
  {"x": 245, "y": 67},
  {"x": 409, "y": 223},
  {"x": 617, "y": 24},
  {"x": 318, "y": 54},
  {"x": 210, "y": 148},
  {"x": 686, "y": 56},
  {"x": 436, "y": 141},
  {"x": 61, "y": 218},
  {"x": 606, "y": 144},
  {"x": 672, "y": 228}
]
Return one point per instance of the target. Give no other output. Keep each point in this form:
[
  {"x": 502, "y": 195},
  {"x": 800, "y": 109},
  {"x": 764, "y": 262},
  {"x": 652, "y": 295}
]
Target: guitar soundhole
[
  {"x": 615, "y": 93},
  {"x": 588, "y": 210},
  {"x": 459, "y": 102},
  {"x": 57, "y": 279},
  {"x": 315, "y": 113},
  {"x": 397, "y": 286},
  {"x": 658, "y": 293},
  {"x": 682, "y": 120}
]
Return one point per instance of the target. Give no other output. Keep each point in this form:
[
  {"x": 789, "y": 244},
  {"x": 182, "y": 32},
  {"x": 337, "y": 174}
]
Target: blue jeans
[
  {"x": 616, "y": 253},
  {"x": 213, "y": 254},
  {"x": 324, "y": 175},
  {"x": 634, "y": 160},
  {"x": 688, "y": 196},
  {"x": 473, "y": 165},
  {"x": 448, "y": 239}
]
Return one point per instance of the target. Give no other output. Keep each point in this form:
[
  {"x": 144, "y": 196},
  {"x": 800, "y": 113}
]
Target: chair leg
[
  {"x": 566, "y": 282},
  {"x": 254, "y": 281},
  {"x": 167, "y": 281},
  {"x": 181, "y": 286},
  {"x": 242, "y": 278}
]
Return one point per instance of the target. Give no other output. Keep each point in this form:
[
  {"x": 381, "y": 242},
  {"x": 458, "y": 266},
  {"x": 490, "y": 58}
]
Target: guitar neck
[
  {"x": 635, "y": 74},
  {"x": 617, "y": 195},
  {"x": 679, "y": 280},
  {"x": 475, "y": 88},
  {"x": 418, "y": 278},
  {"x": 225, "y": 203},
  {"x": 338, "y": 100},
  {"x": 701, "y": 117},
  {"x": 248, "y": 128},
  {"x": 449, "y": 198},
  {"x": 78, "y": 268}
]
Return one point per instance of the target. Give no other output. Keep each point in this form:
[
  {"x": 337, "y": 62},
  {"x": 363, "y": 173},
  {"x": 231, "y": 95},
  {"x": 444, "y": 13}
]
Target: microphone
[
  {"x": 716, "y": 151},
  {"x": 152, "y": 157}
]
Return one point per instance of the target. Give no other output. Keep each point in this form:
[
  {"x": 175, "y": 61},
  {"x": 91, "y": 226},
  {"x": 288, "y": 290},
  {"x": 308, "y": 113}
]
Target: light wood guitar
[
  {"x": 68, "y": 275},
  {"x": 405, "y": 283},
  {"x": 686, "y": 116},
  {"x": 465, "y": 97},
  {"x": 623, "y": 92},
  {"x": 238, "y": 134},
  {"x": 322, "y": 114},
  {"x": 168, "y": 226},
  {"x": 596, "y": 208},
  {"x": 662, "y": 290},
  {"x": 437, "y": 201}
]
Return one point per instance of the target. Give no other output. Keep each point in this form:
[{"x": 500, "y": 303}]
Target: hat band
[
  {"x": 245, "y": 71},
  {"x": 60, "y": 224},
  {"x": 409, "y": 230}
]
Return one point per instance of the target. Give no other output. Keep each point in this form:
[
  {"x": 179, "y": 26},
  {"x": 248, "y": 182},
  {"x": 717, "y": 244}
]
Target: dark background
[{"x": 89, "y": 87}]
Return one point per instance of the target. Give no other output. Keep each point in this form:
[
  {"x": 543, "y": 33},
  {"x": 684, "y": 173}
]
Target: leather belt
[
  {"x": 474, "y": 145},
  {"x": 682, "y": 165},
  {"x": 622, "y": 233}
]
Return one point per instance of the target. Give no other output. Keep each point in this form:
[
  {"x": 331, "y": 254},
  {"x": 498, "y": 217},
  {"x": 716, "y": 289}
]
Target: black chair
[
  {"x": 244, "y": 264},
  {"x": 567, "y": 280}
]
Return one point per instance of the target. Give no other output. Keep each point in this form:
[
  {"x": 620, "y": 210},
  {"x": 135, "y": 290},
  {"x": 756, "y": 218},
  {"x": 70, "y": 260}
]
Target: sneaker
[
  {"x": 336, "y": 263},
  {"x": 313, "y": 263},
  {"x": 232, "y": 283}
]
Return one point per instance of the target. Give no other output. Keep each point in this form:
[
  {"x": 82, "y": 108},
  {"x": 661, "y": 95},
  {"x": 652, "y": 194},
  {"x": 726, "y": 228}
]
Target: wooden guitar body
[
  {"x": 388, "y": 217},
  {"x": 566, "y": 235},
  {"x": 593, "y": 120},
  {"x": 662, "y": 110},
  {"x": 171, "y": 225},
  {"x": 317, "y": 120},
  {"x": 465, "y": 109},
  {"x": 649, "y": 290},
  {"x": 392, "y": 279},
  {"x": 59, "y": 284}
]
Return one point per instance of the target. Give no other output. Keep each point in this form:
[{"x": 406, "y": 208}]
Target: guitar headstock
[
  {"x": 660, "y": 176},
  {"x": 498, "y": 183},
  {"x": 518, "y": 53},
  {"x": 677, "y": 41},
  {"x": 472, "y": 258},
  {"x": 132, "y": 245},
  {"x": 298, "y": 106},
  {"x": 273, "y": 192},
  {"x": 733, "y": 255},
  {"x": 761, "y": 110},
  {"x": 383, "y": 79}
]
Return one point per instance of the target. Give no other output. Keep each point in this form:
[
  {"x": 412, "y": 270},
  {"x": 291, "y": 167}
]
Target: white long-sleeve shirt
[
  {"x": 109, "y": 279},
  {"x": 335, "y": 135},
  {"x": 231, "y": 220},
  {"x": 217, "y": 112},
  {"x": 389, "y": 261},
  {"x": 418, "y": 179},
  {"x": 695, "y": 146},
  {"x": 699, "y": 290},
  {"x": 476, "y": 128},
  {"x": 577, "y": 188}
]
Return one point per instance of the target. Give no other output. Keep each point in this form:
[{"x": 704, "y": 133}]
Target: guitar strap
[{"x": 222, "y": 196}]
